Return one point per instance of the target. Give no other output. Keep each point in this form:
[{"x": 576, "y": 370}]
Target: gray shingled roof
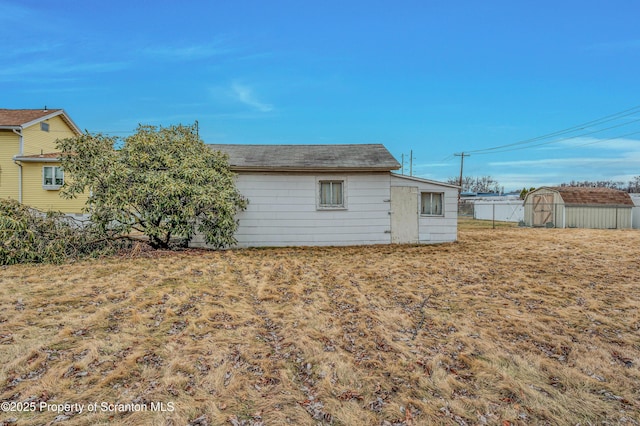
[{"x": 373, "y": 157}]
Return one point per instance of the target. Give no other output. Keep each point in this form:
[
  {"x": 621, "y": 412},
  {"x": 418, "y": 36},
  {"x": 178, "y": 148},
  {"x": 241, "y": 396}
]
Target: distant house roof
[
  {"x": 364, "y": 157},
  {"x": 22, "y": 118},
  {"x": 572, "y": 195}
]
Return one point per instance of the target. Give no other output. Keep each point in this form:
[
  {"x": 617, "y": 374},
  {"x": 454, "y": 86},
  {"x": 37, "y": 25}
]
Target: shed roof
[
  {"x": 21, "y": 118},
  {"x": 572, "y": 195},
  {"x": 354, "y": 157}
]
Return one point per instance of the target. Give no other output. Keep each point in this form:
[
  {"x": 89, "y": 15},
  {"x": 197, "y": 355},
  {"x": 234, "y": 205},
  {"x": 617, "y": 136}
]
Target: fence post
[{"x": 493, "y": 215}]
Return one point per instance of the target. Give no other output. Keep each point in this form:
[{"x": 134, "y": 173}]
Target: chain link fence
[
  {"x": 552, "y": 215},
  {"x": 500, "y": 210}
]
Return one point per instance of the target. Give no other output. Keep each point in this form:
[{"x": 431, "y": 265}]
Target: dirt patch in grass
[{"x": 506, "y": 326}]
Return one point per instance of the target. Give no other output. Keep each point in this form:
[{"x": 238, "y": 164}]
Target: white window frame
[
  {"x": 54, "y": 175},
  {"x": 431, "y": 194},
  {"x": 44, "y": 126},
  {"x": 331, "y": 180}
]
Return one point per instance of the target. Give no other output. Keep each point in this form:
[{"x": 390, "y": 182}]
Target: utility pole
[
  {"x": 461, "y": 155},
  {"x": 411, "y": 163}
]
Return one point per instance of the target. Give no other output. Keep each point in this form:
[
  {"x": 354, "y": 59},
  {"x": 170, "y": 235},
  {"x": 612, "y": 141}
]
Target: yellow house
[{"x": 30, "y": 169}]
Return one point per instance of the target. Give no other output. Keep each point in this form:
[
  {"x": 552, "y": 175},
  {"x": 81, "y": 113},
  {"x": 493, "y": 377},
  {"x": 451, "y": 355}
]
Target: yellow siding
[
  {"x": 35, "y": 196},
  {"x": 37, "y": 141},
  {"x": 9, "y": 146}
]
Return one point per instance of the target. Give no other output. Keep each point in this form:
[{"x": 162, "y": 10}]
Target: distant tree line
[
  {"x": 491, "y": 185},
  {"x": 633, "y": 186},
  {"x": 477, "y": 184}
]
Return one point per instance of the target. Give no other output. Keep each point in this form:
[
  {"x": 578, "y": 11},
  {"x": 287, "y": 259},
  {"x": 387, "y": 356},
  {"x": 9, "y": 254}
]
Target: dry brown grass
[{"x": 507, "y": 326}]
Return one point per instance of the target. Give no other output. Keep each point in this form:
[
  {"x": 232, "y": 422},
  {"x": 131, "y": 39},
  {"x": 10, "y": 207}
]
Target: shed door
[
  {"x": 404, "y": 214},
  {"x": 542, "y": 209}
]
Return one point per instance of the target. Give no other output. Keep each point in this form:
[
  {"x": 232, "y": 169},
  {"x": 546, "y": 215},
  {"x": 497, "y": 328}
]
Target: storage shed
[
  {"x": 326, "y": 195},
  {"x": 578, "y": 207}
]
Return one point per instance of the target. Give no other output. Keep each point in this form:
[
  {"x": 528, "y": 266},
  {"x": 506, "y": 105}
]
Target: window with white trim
[
  {"x": 431, "y": 203},
  {"x": 331, "y": 194},
  {"x": 52, "y": 177}
]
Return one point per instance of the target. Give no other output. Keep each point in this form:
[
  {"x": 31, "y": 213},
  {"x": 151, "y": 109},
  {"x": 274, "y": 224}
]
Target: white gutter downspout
[{"x": 18, "y": 132}]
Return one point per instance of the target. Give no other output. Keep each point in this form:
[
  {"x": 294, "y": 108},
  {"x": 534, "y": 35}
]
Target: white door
[{"x": 404, "y": 214}]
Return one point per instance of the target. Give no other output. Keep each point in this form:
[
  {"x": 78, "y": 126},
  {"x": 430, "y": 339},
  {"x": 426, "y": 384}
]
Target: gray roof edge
[
  {"x": 423, "y": 180},
  {"x": 310, "y": 169},
  {"x": 28, "y": 159}
]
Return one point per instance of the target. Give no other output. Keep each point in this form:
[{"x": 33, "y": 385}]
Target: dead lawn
[{"x": 507, "y": 326}]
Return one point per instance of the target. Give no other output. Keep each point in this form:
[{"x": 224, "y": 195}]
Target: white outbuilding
[{"x": 325, "y": 195}]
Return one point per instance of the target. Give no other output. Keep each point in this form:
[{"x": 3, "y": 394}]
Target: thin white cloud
[
  {"x": 182, "y": 53},
  {"x": 10, "y": 12},
  {"x": 618, "y": 144},
  {"x": 22, "y": 71},
  {"x": 552, "y": 163},
  {"x": 431, "y": 165},
  {"x": 514, "y": 182},
  {"x": 517, "y": 174},
  {"x": 620, "y": 45},
  {"x": 31, "y": 49},
  {"x": 245, "y": 95},
  {"x": 553, "y": 170}
]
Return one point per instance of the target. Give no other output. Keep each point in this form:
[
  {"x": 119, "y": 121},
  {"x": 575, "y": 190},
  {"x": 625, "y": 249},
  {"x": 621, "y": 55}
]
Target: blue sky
[{"x": 432, "y": 77}]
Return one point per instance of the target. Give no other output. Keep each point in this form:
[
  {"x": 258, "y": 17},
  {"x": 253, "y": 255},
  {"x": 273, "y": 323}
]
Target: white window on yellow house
[{"x": 52, "y": 177}]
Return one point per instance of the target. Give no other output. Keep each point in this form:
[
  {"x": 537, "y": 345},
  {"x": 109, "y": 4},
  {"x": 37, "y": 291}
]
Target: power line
[
  {"x": 600, "y": 164},
  {"x": 608, "y": 139},
  {"x": 496, "y": 151},
  {"x": 578, "y": 127}
]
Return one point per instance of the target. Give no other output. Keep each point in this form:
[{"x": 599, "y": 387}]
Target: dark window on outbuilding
[
  {"x": 431, "y": 203},
  {"x": 331, "y": 193}
]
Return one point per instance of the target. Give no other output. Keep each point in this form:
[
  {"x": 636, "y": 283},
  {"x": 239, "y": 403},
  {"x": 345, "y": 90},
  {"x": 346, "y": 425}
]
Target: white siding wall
[
  {"x": 434, "y": 229},
  {"x": 283, "y": 210}
]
